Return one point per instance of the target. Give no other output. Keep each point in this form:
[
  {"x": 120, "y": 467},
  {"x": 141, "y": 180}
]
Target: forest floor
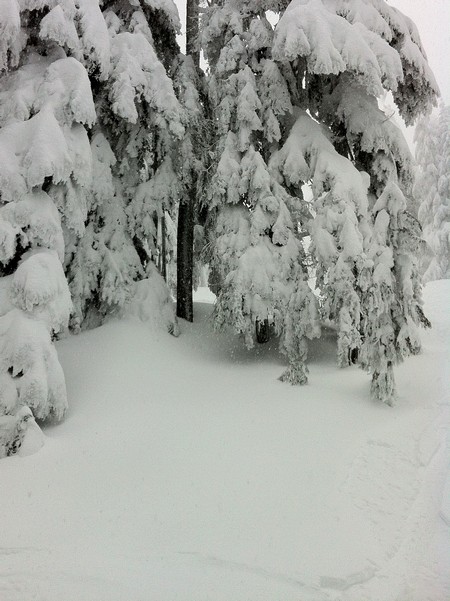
[{"x": 185, "y": 471}]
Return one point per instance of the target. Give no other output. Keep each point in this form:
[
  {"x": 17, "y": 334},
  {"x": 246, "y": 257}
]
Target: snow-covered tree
[
  {"x": 432, "y": 189},
  {"x": 88, "y": 118},
  {"x": 300, "y": 102},
  {"x": 46, "y": 106},
  {"x": 135, "y": 186},
  {"x": 257, "y": 254}
]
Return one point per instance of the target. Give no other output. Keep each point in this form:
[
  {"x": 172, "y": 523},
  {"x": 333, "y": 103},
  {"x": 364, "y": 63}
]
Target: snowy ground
[{"x": 186, "y": 471}]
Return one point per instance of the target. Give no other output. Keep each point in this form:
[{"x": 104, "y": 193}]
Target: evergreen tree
[
  {"x": 135, "y": 188},
  {"x": 88, "y": 119},
  {"x": 46, "y": 107},
  {"x": 300, "y": 100},
  {"x": 432, "y": 189},
  {"x": 257, "y": 255}
]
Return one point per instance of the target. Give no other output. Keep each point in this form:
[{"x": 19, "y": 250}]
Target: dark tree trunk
[
  {"x": 186, "y": 211},
  {"x": 185, "y": 259},
  {"x": 142, "y": 253},
  {"x": 163, "y": 246},
  {"x": 262, "y": 331}
]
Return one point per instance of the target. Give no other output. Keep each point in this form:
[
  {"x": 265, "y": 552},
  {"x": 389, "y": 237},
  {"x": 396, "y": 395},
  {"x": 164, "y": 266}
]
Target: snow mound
[
  {"x": 152, "y": 303},
  {"x": 33, "y": 441}
]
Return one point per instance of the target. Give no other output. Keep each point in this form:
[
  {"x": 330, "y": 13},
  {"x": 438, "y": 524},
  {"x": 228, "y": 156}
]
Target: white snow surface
[{"x": 185, "y": 471}]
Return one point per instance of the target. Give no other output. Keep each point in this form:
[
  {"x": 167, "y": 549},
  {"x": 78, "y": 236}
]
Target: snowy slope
[{"x": 185, "y": 471}]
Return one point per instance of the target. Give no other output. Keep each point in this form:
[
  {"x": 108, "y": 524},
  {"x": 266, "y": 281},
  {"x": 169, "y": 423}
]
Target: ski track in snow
[{"x": 244, "y": 499}]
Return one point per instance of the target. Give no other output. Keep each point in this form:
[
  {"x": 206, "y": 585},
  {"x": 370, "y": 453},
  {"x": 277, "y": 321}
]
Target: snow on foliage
[
  {"x": 59, "y": 27},
  {"x": 30, "y": 372},
  {"x": 296, "y": 104},
  {"x": 130, "y": 149},
  {"x": 101, "y": 139},
  {"x": 33, "y": 221},
  {"x": 65, "y": 184},
  {"x": 169, "y": 8},
  {"x": 40, "y": 288},
  {"x": 308, "y": 155},
  {"x": 329, "y": 43},
  {"x": 9, "y": 33},
  {"x": 41, "y": 138},
  {"x": 137, "y": 73},
  {"x": 256, "y": 263},
  {"x": 94, "y": 36},
  {"x": 376, "y": 42},
  {"x": 13, "y": 429},
  {"x": 67, "y": 90},
  {"x": 432, "y": 190},
  {"x": 105, "y": 262},
  {"x": 392, "y": 295},
  {"x": 369, "y": 127},
  {"x": 49, "y": 144}
]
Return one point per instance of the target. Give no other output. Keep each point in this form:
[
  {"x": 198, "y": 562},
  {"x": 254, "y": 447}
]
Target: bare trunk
[
  {"x": 163, "y": 246},
  {"x": 185, "y": 259},
  {"x": 262, "y": 331},
  {"x": 186, "y": 211}
]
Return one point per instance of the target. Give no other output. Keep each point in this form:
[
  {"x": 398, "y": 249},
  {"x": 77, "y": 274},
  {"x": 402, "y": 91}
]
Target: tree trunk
[
  {"x": 186, "y": 211},
  {"x": 192, "y": 29},
  {"x": 163, "y": 246},
  {"x": 262, "y": 331},
  {"x": 185, "y": 259}
]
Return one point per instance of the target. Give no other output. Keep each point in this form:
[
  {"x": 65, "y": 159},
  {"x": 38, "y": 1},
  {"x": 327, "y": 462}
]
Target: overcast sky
[{"x": 432, "y": 18}]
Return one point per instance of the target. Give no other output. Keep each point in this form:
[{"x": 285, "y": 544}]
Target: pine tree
[
  {"x": 300, "y": 100},
  {"x": 46, "y": 107},
  {"x": 432, "y": 190},
  {"x": 88, "y": 120},
  {"x": 257, "y": 256},
  {"x": 135, "y": 187}
]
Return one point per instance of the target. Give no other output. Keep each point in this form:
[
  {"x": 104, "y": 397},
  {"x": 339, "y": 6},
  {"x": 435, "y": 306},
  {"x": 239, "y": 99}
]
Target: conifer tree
[
  {"x": 432, "y": 189},
  {"x": 46, "y": 107},
  {"x": 135, "y": 187},
  {"x": 88, "y": 119},
  {"x": 303, "y": 95},
  {"x": 257, "y": 258}
]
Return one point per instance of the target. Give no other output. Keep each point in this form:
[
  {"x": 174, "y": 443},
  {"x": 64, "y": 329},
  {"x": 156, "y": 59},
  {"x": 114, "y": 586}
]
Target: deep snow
[{"x": 186, "y": 471}]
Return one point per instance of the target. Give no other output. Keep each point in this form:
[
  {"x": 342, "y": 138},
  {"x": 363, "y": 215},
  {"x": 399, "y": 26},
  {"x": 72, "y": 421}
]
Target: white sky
[{"x": 432, "y": 18}]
